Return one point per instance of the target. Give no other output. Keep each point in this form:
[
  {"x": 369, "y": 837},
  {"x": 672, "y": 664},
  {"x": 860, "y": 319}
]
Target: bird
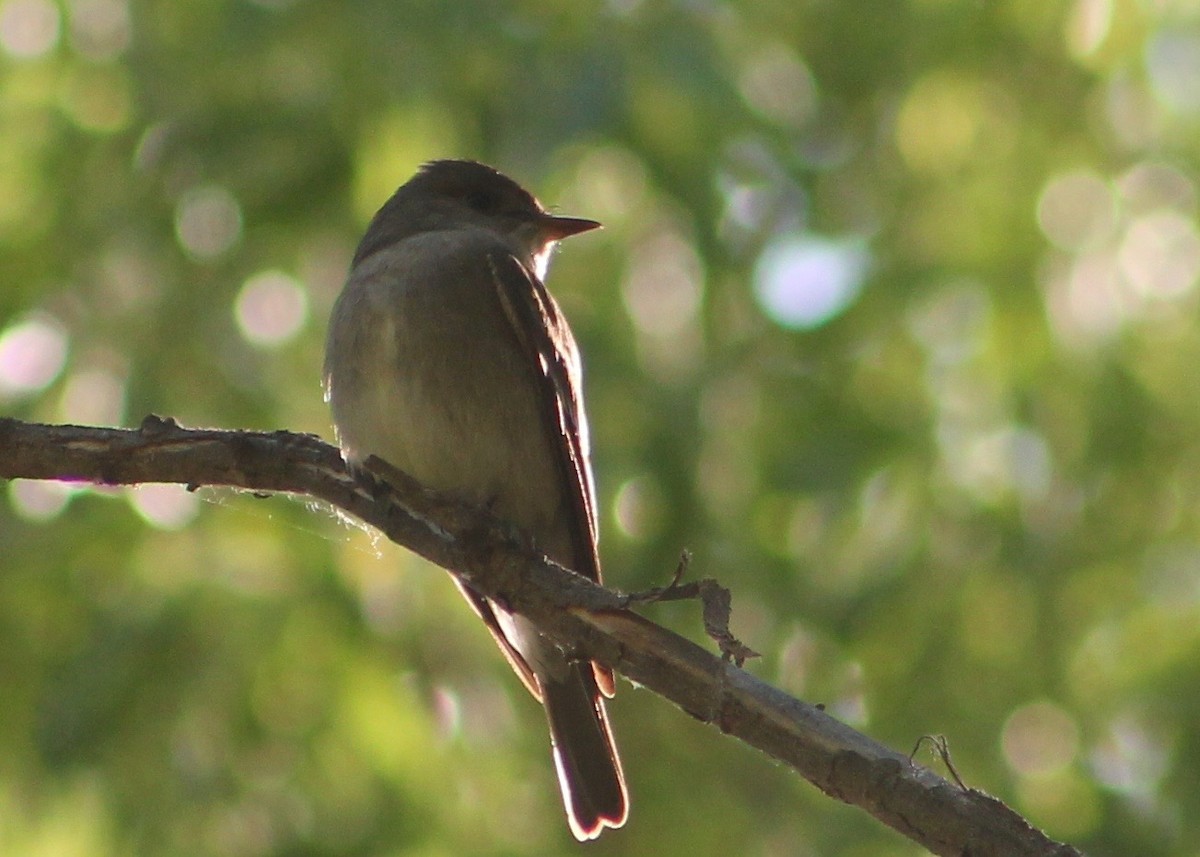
[{"x": 447, "y": 357}]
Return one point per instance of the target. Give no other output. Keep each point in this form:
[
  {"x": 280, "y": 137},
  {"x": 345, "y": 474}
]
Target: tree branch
[{"x": 578, "y": 614}]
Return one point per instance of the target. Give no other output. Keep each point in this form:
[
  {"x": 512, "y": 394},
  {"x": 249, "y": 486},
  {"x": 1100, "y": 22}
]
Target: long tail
[{"x": 585, "y": 756}]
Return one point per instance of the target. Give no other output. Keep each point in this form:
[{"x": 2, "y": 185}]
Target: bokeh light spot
[
  {"x": 39, "y": 500},
  {"x": 1077, "y": 210},
  {"x": 1011, "y": 459},
  {"x": 28, "y": 28},
  {"x": 165, "y": 506},
  {"x": 32, "y": 354},
  {"x": 1173, "y": 66},
  {"x": 1153, "y": 186},
  {"x": 1131, "y": 757},
  {"x": 1084, "y": 298},
  {"x": 1132, "y": 113},
  {"x": 939, "y": 122},
  {"x": 271, "y": 308},
  {"x": 638, "y": 509},
  {"x": 952, "y": 324},
  {"x": 1160, "y": 255},
  {"x": 611, "y": 184},
  {"x": 804, "y": 281},
  {"x": 663, "y": 288},
  {"x": 93, "y": 396},
  {"x": 1040, "y": 738},
  {"x": 100, "y": 29},
  {"x": 1088, "y": 26},
  {"x": 208, "y": 222},
  {"x": 447, "y": 712},
  {"x": 777, "y": 84}
]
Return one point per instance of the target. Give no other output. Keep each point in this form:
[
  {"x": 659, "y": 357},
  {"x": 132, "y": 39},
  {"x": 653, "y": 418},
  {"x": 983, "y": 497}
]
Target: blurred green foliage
[{"x": 894, "y": 324}]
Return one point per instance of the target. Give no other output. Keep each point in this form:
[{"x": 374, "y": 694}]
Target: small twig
[
  {"x": 673, "y": 591},
  {"x": 717, "y": 604},
  {"x": 940, "y": 746}
]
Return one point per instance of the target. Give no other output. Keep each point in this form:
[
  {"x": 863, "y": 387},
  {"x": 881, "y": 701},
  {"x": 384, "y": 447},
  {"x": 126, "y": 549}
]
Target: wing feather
[{"x": 543, "y": 334}]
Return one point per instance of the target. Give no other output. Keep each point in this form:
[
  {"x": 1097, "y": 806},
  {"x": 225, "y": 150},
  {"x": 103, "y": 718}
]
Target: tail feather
[{"x": 585, "y": 756}]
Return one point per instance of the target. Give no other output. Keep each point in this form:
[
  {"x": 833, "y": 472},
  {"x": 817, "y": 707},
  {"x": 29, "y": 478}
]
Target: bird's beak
[{"x": 555, "y": 228}]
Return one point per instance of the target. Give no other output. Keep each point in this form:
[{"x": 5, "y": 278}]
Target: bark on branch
[{"x": 580, "y": 615}]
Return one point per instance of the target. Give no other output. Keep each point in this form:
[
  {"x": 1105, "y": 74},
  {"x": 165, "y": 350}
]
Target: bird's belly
[{"x": 458, "y": 409}]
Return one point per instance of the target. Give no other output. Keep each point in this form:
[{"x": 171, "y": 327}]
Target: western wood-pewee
[{"x": 448, "y": 359}]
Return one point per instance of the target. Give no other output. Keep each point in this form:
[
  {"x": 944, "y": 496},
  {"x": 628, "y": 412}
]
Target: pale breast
[{"x": 423, "y": 371}]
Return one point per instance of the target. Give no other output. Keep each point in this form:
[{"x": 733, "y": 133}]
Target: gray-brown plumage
[{"x": 448, "y": 358}]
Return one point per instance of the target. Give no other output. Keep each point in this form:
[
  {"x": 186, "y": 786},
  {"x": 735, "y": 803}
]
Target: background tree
[{"x": 893, "y": 323}]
